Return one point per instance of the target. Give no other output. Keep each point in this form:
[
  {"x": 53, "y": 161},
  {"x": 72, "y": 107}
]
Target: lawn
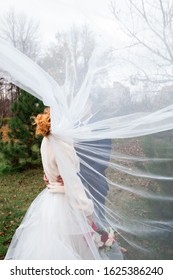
[
  {"x": 17, "y": 191},
  {"x": 157, "y": 242}
]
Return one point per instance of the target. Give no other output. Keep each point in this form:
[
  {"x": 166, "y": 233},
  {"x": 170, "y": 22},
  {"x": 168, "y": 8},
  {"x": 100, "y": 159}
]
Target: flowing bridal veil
[{"x": 111, "y": 101}]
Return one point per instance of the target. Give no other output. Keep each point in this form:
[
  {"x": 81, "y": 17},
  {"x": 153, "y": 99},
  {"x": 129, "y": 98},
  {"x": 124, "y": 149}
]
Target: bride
[
  {"x": 63, "y": 222},
  {"x": 58, "y": 224}
]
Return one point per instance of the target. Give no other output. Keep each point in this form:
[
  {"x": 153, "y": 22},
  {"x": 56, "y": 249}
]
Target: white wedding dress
[{"x": 51, "y": 229}]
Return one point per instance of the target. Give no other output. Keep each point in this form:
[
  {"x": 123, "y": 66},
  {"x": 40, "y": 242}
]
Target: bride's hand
[
  {"x": 45, "y": 179},
  {"x": 60, "y": 180}
]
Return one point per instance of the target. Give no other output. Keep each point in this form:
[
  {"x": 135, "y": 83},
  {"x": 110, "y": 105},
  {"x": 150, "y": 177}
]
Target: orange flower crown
[{"x": 42, "y": 122}]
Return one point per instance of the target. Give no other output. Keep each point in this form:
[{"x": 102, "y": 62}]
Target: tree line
[{"x": 73, "y": 50}]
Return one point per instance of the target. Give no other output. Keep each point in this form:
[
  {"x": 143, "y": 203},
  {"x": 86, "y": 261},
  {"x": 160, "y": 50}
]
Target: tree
[
  {"x": 71, "y": 52},
  {"x": 149, "y": 27},
  {"x": 8, "y": 94},
  {"x": 21, "y": 31},
  {"x": 22, "y": 146},
  {"x": 2, "y": 100}
]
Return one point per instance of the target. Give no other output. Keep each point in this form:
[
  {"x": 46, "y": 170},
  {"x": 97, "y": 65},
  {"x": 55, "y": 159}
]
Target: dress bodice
[
  {"x": 48, "y": 160},
  {"x": 52, "y": 172}
]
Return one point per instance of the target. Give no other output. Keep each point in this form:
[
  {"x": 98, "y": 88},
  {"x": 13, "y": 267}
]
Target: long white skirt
[{"x": 50, "y": 231}]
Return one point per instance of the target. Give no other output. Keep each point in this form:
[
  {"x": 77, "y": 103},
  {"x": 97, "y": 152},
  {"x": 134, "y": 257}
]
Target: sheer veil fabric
[{"x": 106, "y": 140}]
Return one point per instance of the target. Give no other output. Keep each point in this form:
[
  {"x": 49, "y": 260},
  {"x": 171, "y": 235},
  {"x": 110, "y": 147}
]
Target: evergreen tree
[{"x": 22, "y": 147}]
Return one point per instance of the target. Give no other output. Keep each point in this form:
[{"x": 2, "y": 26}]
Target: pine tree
[{"x": 22, "y": 147}]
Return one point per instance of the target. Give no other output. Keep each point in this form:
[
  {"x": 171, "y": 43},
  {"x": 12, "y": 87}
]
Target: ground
[{"x": 17, "y": 191}]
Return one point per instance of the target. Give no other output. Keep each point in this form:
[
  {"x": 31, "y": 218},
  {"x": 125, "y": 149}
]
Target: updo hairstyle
[{"x": 42, "y": 122}]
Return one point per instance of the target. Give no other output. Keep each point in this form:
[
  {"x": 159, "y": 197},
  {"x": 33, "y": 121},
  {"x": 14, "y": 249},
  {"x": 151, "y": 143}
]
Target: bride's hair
[{"x": 42, "y": 122}]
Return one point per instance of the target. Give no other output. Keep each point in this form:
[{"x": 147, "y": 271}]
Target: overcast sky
[{"x": 61, "y": 14}]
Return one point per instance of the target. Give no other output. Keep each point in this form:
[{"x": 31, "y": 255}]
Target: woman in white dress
[{"x": 57, "y": 225}]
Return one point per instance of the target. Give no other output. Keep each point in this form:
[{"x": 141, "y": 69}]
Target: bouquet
[{"x": 104, "y": 238}]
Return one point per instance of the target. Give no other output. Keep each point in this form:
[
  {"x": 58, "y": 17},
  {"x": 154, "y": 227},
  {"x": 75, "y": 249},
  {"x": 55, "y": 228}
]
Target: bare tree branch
[
  {"x": 159, "y": 25},
  {"x": 22, "y": 31},
  {"x": 161, "y": 36}
]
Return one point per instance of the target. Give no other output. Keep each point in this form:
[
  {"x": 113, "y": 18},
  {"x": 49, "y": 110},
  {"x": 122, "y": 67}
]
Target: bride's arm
[{"x": 81, "y": 199}]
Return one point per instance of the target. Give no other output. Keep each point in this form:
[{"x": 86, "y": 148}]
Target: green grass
[
  {"x": 159, "y": 243},
  {"x": 17, "y": 191}
]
